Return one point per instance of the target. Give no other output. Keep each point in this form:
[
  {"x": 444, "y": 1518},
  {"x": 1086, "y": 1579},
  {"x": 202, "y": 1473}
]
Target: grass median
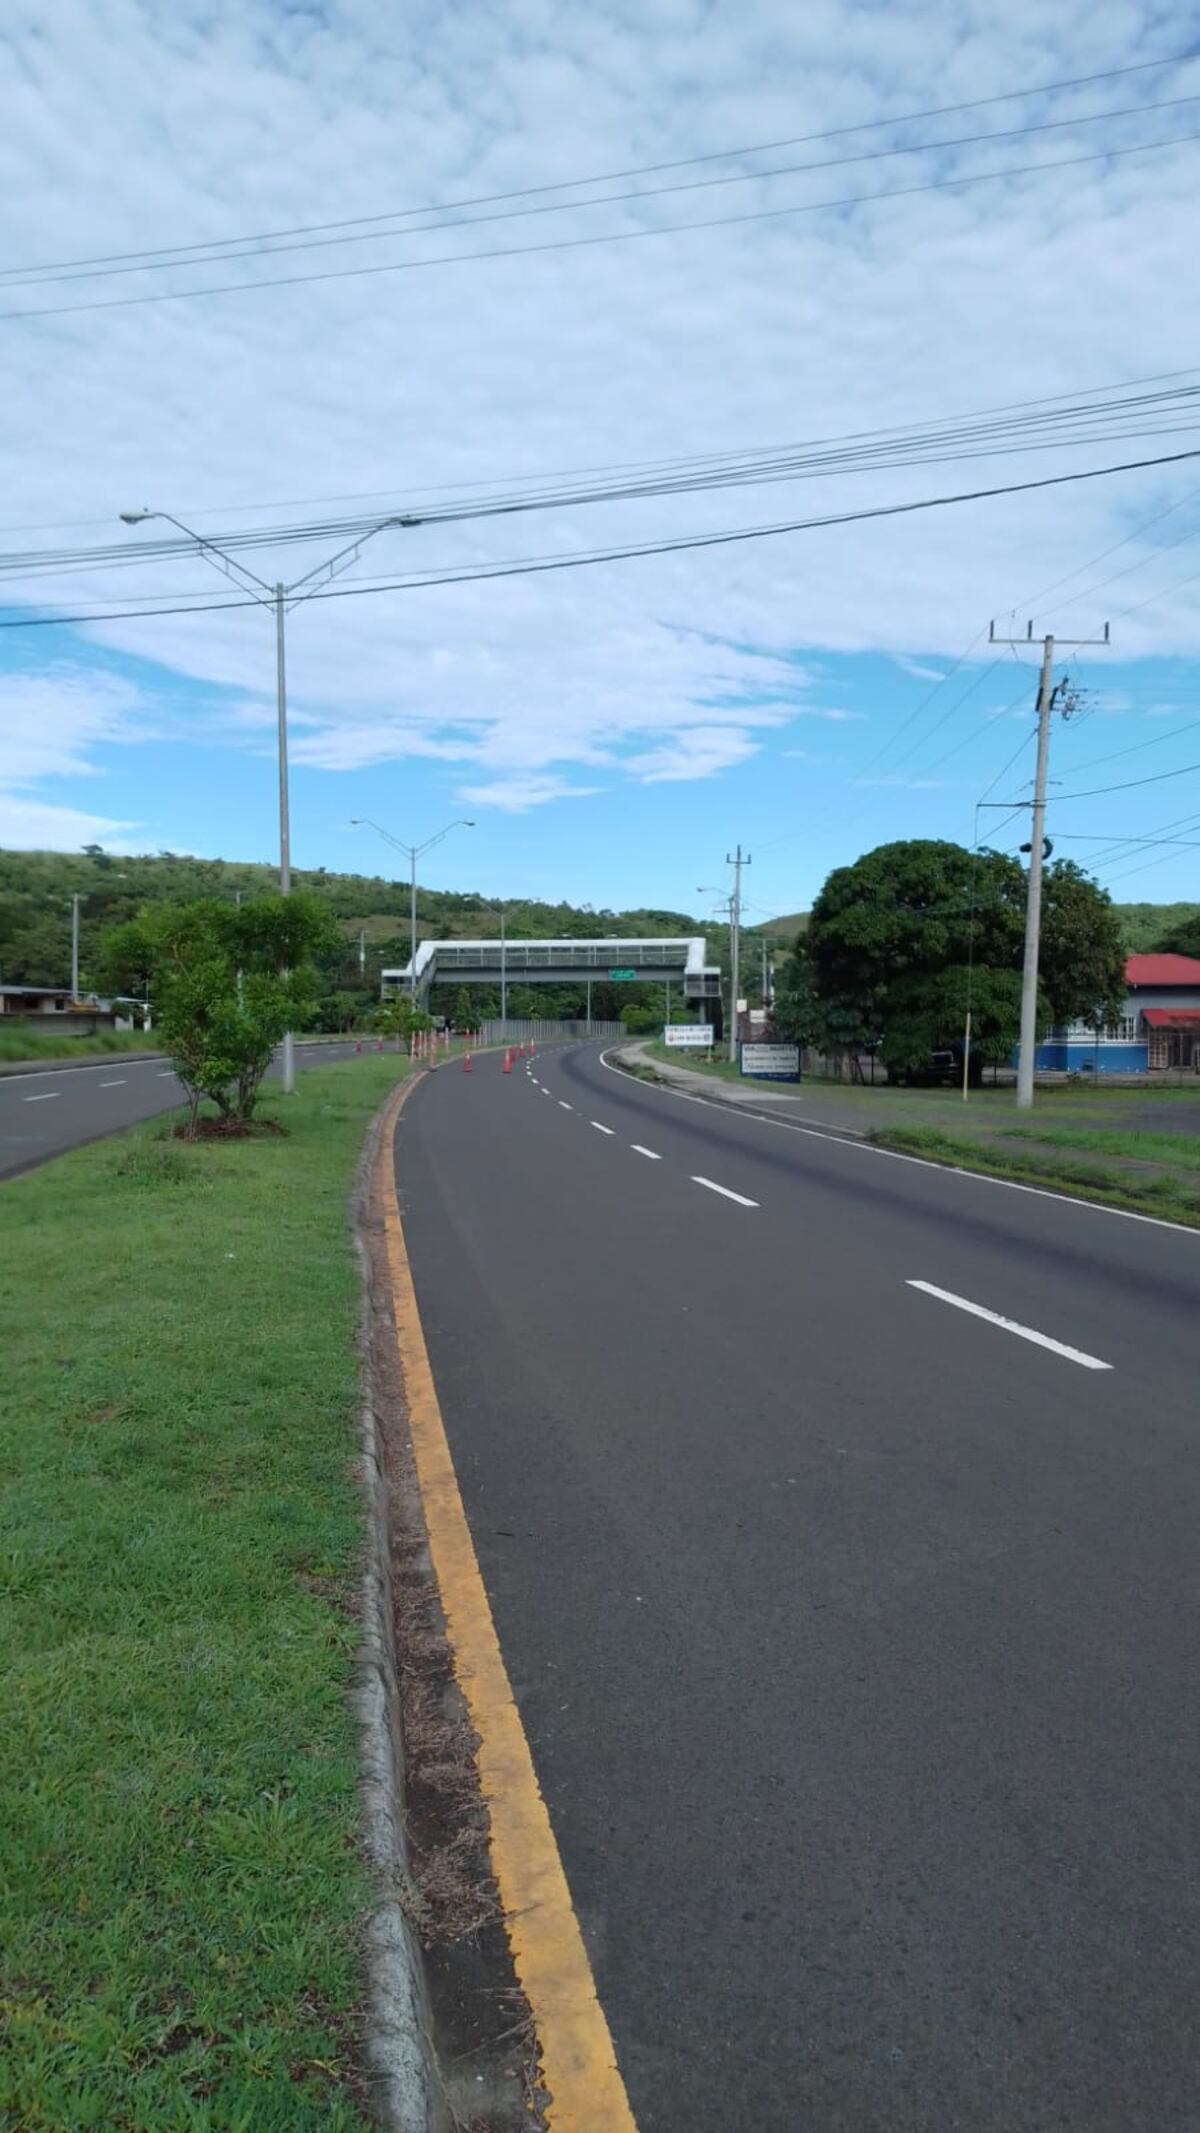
[{"x": 181, "y": 1894}]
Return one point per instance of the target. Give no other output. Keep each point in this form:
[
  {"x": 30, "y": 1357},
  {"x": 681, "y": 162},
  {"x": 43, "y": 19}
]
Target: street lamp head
[
  {"x": 134, "y": 518},
  {"x": 466, "y": 825}
]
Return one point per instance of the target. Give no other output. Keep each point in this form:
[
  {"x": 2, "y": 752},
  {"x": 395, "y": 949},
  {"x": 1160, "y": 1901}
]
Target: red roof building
[{"x": 1163, "y": 972}]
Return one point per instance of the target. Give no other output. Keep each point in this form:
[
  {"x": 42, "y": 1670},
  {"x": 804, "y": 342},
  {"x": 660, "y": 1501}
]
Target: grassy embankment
[
  {"x": 182, "y": 1894},
  {"x": 26, "y": 1043}
]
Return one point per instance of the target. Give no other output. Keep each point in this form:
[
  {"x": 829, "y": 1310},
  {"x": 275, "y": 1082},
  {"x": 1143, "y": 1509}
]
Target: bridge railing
[{"x": 543, "y": 1031}]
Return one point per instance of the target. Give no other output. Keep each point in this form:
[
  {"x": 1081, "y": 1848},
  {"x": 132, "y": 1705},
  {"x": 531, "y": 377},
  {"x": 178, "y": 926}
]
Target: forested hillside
[{"x": 372, "y": 912}]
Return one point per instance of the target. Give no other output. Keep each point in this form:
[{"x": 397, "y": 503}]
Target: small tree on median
[{"x": 227, "y": 982}]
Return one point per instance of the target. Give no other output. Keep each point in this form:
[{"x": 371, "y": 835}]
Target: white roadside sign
[
  {"x": 688, "y": 1036},
  {"x": 771, "y": 1062}
]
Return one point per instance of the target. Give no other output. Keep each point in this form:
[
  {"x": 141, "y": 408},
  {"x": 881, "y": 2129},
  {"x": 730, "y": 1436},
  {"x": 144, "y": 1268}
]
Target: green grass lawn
[
  {"x": 1150, "y": 1186},
  {"x": 26, "y": 1043},
  {"x": 181, "y": 1893}
]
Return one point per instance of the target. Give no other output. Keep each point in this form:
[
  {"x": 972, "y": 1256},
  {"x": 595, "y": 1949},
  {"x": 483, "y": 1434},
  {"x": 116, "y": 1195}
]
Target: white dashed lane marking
[
  {"x": 725, "y": 1193},
  {"x": 1011, "y": 1325}
]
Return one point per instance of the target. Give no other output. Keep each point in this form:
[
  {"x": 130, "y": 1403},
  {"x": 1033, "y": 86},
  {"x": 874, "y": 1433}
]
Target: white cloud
[
  {"x": 918, "y": 672},
  {"x": 836, "y": 716},
  {"x": 36, "y": 825},
  {"x": 908, "y": 784},
  {"x": 515, "y": 794},
  {"x": 129, "y": 126},
  {"x": 692, "y": 752}
]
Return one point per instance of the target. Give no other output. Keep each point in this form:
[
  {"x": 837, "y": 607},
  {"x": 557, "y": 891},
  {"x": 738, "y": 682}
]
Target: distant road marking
[
  {"x": 599, "y": 1128},
  {"x": 578, "y": 2064},
  {"x": 1010, "y": 1325},
  {"x": 563, "y": 1105},
  {"x": 112, "y": 1084},
  {"x": 167, "y": 1074},
  {"x": 47, "y": 1097},
  {"x": 545, "y": 1091},
  {"x": 725, "y": 1193},
  {"x": 648, "y": 1152},
  {"x": 847, "y": 1139}
]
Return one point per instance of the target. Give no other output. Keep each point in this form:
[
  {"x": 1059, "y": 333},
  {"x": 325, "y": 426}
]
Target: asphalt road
[
  {"x": 44, "y": 1112},
  {"x": 855, "y": 1634}
]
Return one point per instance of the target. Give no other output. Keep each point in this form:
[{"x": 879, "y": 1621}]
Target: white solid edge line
[
  {"x": 740, "y": 1197},
  {"x": 599, "y": 1128},
  {"x": 639, "y": 1150},
  {"x": 47, "y": 1097},
  {"x": 923, "y": 1162},
  {"x": 1010, "y": 1325}
]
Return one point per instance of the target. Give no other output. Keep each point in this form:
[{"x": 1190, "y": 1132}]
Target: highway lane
[
  {"x": 854, "y": 1633},
  {"x": 50, "y": 1109}
]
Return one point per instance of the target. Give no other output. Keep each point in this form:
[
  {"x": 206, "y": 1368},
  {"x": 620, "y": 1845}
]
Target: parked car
[{"x": 939, "y": 1070}]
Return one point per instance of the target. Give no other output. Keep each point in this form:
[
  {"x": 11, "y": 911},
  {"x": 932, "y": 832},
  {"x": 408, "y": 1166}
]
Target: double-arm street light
[
  {"x": 412, "y": 853},
  {"x": 279, "y": 598}
]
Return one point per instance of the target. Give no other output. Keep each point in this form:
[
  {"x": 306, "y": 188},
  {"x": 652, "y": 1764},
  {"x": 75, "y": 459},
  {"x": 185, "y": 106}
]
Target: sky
[{"x": 612, "y": 732}]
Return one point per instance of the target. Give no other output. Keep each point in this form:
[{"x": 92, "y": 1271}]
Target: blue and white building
[{"x": 1157, "y": 1029}]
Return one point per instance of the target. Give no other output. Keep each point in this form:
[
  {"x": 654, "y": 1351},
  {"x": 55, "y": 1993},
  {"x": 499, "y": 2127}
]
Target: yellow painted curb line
[{"x": 578, "y": 2062}]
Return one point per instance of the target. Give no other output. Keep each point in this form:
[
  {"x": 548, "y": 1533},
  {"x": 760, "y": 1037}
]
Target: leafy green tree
[
  {"x": 1183, "y": 938},
  {"x": 901, "y": 942},
  {"x": 462, "y": 1009},
  {"x": 226, "y": 982},
  {"x": 1081, "y": 963}
]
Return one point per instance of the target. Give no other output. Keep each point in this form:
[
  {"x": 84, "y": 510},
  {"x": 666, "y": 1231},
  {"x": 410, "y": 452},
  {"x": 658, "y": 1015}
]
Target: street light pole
[
  {"x": 412, "y": 853},
  {"x": 277, "y": 597},
  {"x": 75, "y": 946}
]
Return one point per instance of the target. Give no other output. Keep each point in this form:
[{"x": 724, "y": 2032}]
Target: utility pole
[
  {"x": 766, "y": 977},
  {"x": 737, "y": 860},
  {"x": 362, "y": 951},
  {"x": 75, "y": 946},
  {"x": 503, "y": 963},
  {"x": 1047, "y": 692}
]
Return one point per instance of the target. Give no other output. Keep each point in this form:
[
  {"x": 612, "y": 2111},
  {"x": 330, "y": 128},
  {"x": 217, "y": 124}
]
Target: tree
[
  {"x": 902, "y": 941},
  {"x": 462, "y": 1009},
  {"x": 1081, "y": 966},
  {"x": 1183, "y": 938},
  {"x": 226, "y": 982}
]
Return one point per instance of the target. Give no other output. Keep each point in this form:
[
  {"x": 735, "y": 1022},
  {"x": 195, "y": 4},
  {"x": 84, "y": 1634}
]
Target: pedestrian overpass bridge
[{"x": 502, "y": 963}]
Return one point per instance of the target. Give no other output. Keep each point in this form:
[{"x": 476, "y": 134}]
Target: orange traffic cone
[
  {"x": 466, "y": 1062},
  {"x": 508, "y": 1062}
]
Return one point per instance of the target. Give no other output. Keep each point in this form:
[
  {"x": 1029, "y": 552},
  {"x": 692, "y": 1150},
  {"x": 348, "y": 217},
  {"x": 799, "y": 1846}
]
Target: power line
[
  {"x": 1076, "y": 398},
  {"x": 876, "y": 449},
  {"x": 1156, "y": 742},
  {"x": 728, "y": 538},
  {"x": 572, "y": 244},
  {"x": 170, "y": 254},
  {"x": 258, "y": 248},
  {"x": 1128, "y": 785}
]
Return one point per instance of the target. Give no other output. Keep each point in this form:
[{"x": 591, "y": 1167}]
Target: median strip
[{"x": 180, "y": 1532}]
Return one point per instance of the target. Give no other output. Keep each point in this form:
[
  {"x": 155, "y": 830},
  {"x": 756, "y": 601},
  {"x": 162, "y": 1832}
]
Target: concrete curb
[
  {"x": 632, "y": 1060},
  {"x": 406, "y": 2091}
]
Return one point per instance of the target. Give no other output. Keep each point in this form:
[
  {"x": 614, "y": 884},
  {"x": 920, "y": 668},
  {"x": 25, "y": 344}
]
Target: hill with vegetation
[
  {"x": 1143, "y": 926},
  {"x": 372, "y": 913}
]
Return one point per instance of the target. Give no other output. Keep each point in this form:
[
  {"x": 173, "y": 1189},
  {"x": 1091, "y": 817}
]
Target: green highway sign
[{"x": 622, "y": 973}]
